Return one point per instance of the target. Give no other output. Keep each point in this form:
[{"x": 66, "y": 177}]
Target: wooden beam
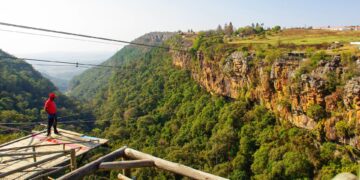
[
  {"x": 30, "y": 165},
  {"x": 72, "y": 159},
  {"x": 126, "y": 164},
  {"x": 172, "y": 167},
  {"x": 35, "y": 153},
  {"x": 122, "y": 177},
  {"x": 93, "y": 166},
  {"x": 126, "y": 172},
  {"x": 41, "y": 169},
  {"x": 50, "y": 172}
]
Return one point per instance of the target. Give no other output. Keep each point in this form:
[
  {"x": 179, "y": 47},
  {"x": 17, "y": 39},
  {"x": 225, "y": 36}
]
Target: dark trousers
[{"x": 52, "y": 121}]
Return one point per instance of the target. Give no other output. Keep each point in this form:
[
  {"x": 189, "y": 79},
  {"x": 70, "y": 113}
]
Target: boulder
[{"x": 345, "y": 176}]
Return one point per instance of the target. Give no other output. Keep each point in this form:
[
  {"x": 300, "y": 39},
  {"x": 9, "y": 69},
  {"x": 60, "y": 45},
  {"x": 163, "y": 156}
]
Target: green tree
[
  {"x": 219, "y": 29},
  {"x": 276, "y": 28},
  {"x": 229, "y": 29}
]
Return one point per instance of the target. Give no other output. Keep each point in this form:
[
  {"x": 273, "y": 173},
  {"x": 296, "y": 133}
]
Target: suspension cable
[{"x": 87, "y": 36}]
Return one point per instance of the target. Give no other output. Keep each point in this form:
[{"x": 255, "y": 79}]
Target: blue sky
[
  {"x": 127, "y": 20},
  {"x": 294, "y": 12}
]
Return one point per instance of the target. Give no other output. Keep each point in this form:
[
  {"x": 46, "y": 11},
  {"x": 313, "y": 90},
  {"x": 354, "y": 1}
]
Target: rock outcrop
[
  {"x": 352, "y": 98},
  {"x": 278, "y": 86}
]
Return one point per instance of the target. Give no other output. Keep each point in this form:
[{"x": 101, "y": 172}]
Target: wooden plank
[
  {"x": 122, "y": 177},
  {"x": 20, "y": 139},
  {"x": 43, "y": 144},
  {"x": 70, "y": 132},
  {"x": 76, "y": 138},
  {"x": 93, "y": 166},
  {"x": 40, "y": 145},
  {"x": 30, "y": 165},
  {"x": 126, "y": 164},
  {"x": 34, "y": 153},
  {"x": 16, "y": 159},
  {"x": 172, "y": 167}
]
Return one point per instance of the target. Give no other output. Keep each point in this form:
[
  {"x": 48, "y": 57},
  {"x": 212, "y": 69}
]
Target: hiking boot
[{"x": 57, "y": 133}]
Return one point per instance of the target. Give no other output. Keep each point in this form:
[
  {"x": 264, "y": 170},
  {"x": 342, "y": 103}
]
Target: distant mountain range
[
  {"x": 61, "y": 84},
  {"x": 61, "y": 74}
]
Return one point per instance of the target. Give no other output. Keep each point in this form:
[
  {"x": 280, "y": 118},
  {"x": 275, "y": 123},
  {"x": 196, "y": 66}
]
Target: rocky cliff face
[{"x": 277, "y": 85}]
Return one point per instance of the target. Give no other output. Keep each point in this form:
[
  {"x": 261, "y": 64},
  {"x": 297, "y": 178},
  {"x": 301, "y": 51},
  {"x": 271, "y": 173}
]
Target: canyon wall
[{"x": 292, "y": 97}]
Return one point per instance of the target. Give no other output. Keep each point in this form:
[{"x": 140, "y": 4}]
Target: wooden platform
[{"x": 49, "y": 152}]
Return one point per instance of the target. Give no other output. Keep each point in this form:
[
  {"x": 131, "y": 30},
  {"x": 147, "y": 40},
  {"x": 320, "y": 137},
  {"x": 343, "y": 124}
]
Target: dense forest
[{"x": 150, "y": 105}]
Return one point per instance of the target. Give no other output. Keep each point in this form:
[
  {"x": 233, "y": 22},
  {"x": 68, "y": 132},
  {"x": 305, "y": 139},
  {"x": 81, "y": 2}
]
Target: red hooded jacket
[{"x": 50, "y": 106}]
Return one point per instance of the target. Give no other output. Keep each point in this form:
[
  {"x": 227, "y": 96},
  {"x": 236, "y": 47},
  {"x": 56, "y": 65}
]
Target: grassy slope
[{"x": 304, "y": 37}]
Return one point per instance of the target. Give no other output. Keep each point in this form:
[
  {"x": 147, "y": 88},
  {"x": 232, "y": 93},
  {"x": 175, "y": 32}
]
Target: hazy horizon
[{"x": 127, "y": 20}]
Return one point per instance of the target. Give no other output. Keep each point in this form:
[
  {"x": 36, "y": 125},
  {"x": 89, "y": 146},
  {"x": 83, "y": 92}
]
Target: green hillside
[
  {"x": 23, "y": 92},
  {"x": 86, "y": 85}
]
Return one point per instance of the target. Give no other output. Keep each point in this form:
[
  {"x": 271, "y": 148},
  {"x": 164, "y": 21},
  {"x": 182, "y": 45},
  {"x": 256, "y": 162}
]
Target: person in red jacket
[{"x": 50, "y": 108}]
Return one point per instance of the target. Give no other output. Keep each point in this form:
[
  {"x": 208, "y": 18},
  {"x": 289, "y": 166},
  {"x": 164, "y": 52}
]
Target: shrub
[
  {"x": 316, "y": 112},
  {"x": 346, "y": 58},
  {"x": 197, "y": 42},
  {"x": 309, "y": 52},
  {"x": 332, "y": 82},
  {"x": 285, "y": 104},
  {"x": 342, "y": 129},
  {"x": 314, "y": 60},
  {"x": 327, "y": 151},
  {"x": 272, "y": 55},
  {"x": 276, "y": 28},
  {"x": 311, "y": 64}
]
